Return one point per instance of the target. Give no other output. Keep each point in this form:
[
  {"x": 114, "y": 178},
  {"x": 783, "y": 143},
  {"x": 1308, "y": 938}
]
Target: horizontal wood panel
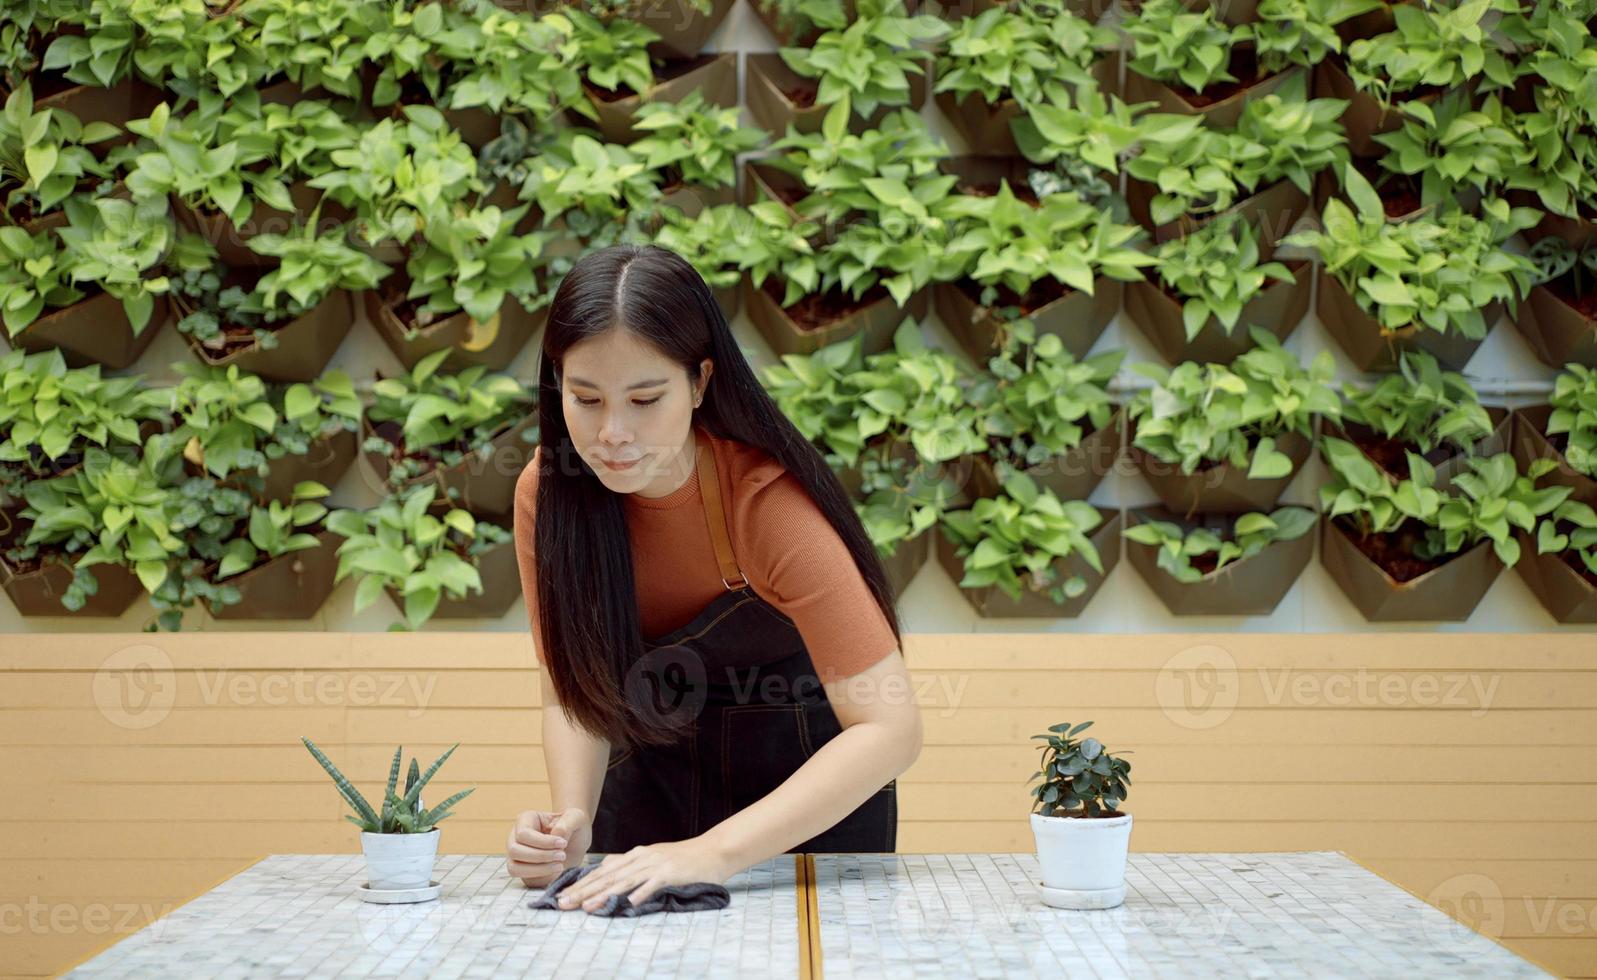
[
  {"x": 999, "y": 764},
  {"x": 1472, "y": 763},
  {"x": 435, "y": 687},
  {"x": 1419, "y": 649}
]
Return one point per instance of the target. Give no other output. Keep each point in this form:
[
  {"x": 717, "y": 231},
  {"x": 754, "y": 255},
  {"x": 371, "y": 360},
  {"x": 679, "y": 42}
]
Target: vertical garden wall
[{"x": 1287, "y": 307}]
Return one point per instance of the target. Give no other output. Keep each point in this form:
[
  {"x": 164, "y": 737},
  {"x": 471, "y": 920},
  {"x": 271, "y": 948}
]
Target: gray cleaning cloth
[{"x": 699, "y": 896}]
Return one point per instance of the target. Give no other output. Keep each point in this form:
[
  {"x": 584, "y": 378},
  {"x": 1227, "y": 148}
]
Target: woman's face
[{"x": 627, "y": 403}]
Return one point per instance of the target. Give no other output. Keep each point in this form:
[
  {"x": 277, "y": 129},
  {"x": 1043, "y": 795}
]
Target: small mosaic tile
[
  {"x": 1308, "y": 914},
  {"x": 298, "y": 915}
]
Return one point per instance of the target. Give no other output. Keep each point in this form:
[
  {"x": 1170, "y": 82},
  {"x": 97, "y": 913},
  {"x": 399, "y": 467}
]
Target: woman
[{"x": 722, "y": 680}]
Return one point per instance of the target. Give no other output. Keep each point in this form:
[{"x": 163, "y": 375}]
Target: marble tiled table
[
  {"x": 297, "y": 915},
  {"x": 1314, "y": 913}
]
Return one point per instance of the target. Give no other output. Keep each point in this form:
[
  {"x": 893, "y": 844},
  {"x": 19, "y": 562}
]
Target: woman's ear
[{"x": 706, "y": 366}]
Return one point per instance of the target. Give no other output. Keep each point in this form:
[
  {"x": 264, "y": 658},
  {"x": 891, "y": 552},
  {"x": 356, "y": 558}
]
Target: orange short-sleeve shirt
[{"x": 790, "y": 554}]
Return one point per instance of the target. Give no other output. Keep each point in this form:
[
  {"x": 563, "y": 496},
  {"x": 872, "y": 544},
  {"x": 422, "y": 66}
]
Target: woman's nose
[{"x": 613, "y": 430}]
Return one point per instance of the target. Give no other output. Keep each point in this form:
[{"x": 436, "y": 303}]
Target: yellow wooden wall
[{"x": 145, "y": 768}]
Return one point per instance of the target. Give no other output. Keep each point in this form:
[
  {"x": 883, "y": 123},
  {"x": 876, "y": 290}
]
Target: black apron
[{"x": 738, "y": 683}]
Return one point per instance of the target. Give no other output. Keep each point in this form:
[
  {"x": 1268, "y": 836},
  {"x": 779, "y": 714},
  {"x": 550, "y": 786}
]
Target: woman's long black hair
[{"x": 587, "y": 600}]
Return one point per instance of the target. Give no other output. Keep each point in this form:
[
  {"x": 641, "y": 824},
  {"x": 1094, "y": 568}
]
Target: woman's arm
[
  {"x": 574, "y": 759},
  {"x": 881, "y": 738}
]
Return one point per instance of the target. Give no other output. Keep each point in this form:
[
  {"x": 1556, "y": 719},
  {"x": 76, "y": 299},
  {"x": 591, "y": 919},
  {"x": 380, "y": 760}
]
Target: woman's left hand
[{"x": 645, "y": 869}]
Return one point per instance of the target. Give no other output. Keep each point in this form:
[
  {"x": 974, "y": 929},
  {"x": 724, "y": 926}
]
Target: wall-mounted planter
[
  {"x": 790, "y": 33},
  {"x": 1220, "y": 488},
  {"x": 1530, "y": 442},
  {"x": 1447, "y": 458},
  {"x": 991, "y": 602},
  {"x": 957, "y": 470},
  {"x": 291, "y": 586},
  {"x": 128, "y": 99},
  {"x": 779, "y": 97},
  {"x": 93, "y": 331},
  {"x": 1448, "y": 592},
  {"x": 683, "y": 29},
  {"x": 1399, "y": 193},
  {"x": 38, "y": 592},
  {"x": 1224, "y": 112},
  {"x": 1365, "y": 117},
  {"x": 1075, "y": 318},
  {"x": 809, "y": 325},
  {"x": 1251, "y": 586},
  {"x": 486, "y": 481},
  {"x": 1071, "y": 475},
  {"x": 693, "y": 199},
  {"x": 1089, "y": 10},
  {"x": 58, "y": 217},
  {"x": 325, "y": 460},
  {"x": 304, "y": 344},
  {"x": 494, "y": 344},
  {"x": 478, "y": 125},
  {"x": 1578, "y": 231},
  {"x": 986, "y": 125},
  {"x": 1557, "y": 332},
  {"x": 1279, "y": 307},
  {"x": 1374, "y": 349},
  {"x": 906, "y": 561},
  {"x": 713, "y": 76},
  {"x": 762, "y": 181},
  {"x": 501, "y": 587},
  {"x": 1568, "y": 595},
  {"x": 232, "y": 241},
  {"x": 1273, "y": 210}
]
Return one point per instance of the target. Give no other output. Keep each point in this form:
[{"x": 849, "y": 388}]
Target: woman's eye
[{"x": 595, "y": 401}]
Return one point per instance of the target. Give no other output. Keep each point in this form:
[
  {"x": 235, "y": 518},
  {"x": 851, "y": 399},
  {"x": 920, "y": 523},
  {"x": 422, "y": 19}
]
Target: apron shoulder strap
[{"x": 715, "y": 514}]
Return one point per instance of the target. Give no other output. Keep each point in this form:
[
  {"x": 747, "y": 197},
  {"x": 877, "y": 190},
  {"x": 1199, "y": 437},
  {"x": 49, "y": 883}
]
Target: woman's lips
[{"x": 616, "y": 465}]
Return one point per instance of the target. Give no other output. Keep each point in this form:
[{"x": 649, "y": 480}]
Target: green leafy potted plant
[
  {"x": 693, "y": 146},
  {"x": 1264, "y": 167},
  {"x": 1046, "y": 414},
  {"x": 469, "y": 289},
  {"x": 1213, "y": 285},
  {"x": 1560, "y": 567},
  {"x": 1429, "y": 50},
  {"x": 1220, "y": 565},
  {"x": 1218, "y": 439},
  {"x": 797, "y": 23},
  {"x": 281, "y": 565},
  {"x": 1188, "y": 62},
  {"x": 96, "y": 275},
  {"x": 1432, "y": 283},
  {"x": 399, "y": 839},
  {"x": 1081, "y": 833},
  {"x": 52, "y": 413},
  {"x": 1027, "y": 553},
  {"x": 620, "y": 76},
  {"x": 1559, "y": 317},
  {"x": 1425, "y": 410},
  {"x": 1563, "y": 430},
  {"x": 92, "y": 540},
  {"x": 264, "y": 439},
  {"x": 470, "y": 433},
  {"x": 869, "y": 63},
  {"x": 1403, "y": 550},
  {"x": 684, "y": 25},
  {"x": 995, "y": 65},
  {"x": 284, "y": 323},
  {"x": 45, "y": 155},
  {"x": 1059, "y": 264},
  {"x": 433, "y": 561}
]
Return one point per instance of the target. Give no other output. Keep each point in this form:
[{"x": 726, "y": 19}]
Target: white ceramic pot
[
  {"x": 399, "y": 860},
  {"x": 1083, "y": 860}
]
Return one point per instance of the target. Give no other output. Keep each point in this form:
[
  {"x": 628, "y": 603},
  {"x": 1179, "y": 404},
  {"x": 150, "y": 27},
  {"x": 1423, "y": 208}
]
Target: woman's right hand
[{"x": 535, "y": 852}]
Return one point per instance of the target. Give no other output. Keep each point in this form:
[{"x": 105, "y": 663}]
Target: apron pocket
[{"x": 761, "y": 745}]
